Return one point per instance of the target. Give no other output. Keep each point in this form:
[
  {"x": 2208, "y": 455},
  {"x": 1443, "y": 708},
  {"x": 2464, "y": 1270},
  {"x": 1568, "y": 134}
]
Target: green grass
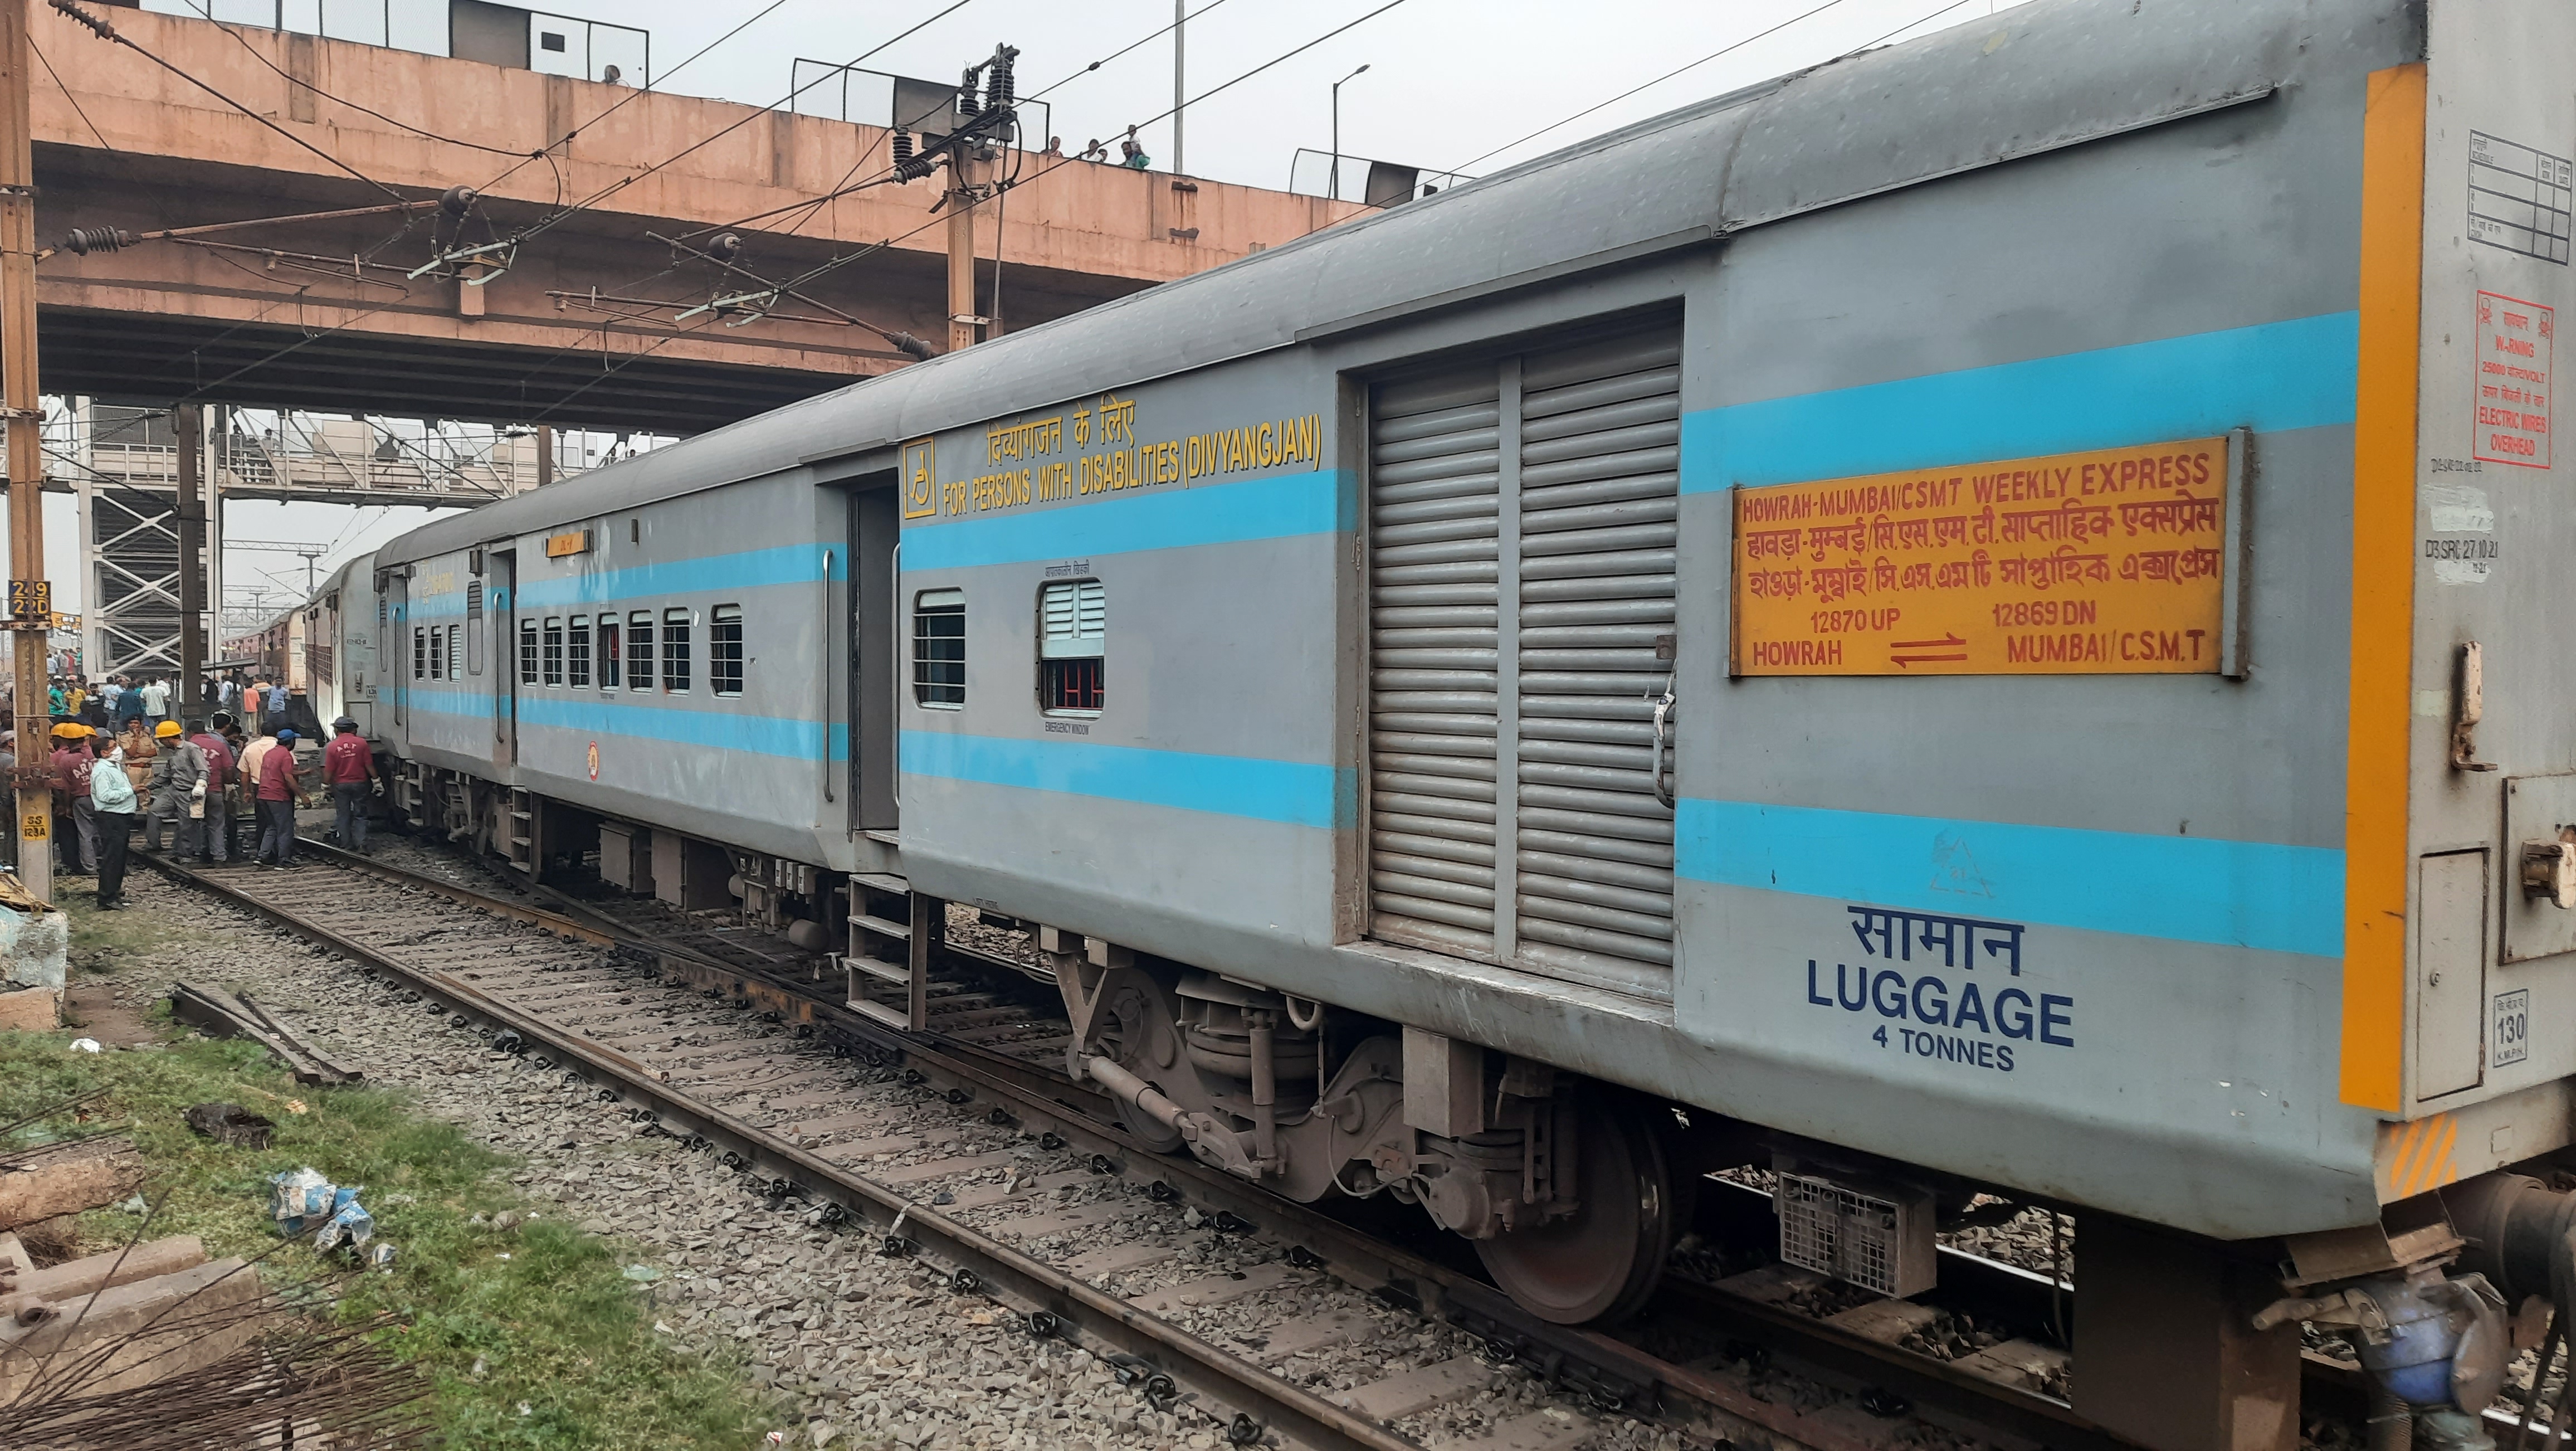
[{"x": 554, "y": 1325}]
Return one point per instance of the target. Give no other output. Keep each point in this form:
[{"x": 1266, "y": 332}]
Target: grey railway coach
[{"x": 1941, "y": 618}]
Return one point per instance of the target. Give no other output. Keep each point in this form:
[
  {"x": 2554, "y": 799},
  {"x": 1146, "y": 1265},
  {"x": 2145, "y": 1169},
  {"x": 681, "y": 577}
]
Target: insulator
[
  {"x": 724, "y": 247},
  {"x": 999, "y": 90},
  {"x": 902, "y": 148},
  {"x": 85, "y": 240},
  {"x": 966, "y": 93},
  {"x": 456, "y": 201}
]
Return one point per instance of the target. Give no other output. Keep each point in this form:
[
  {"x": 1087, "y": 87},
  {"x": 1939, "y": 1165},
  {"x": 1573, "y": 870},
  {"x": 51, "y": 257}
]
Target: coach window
[
  {"x": 527, "y": 652},
  {"x": 419, "y": 653},
  {"x": 1073, "y": 638},
  {"x": 724, "y": 650},
  {"x": 577, "y": 653},
  {"x": 611, "y": 656},
  {"x": 456, "y": 652},
  {"x": 639, "y": 650},
  {"x": 939, "y": 648},
  {"x": 675, "y": 652},
  {"x": 554, "y": 650},
  {"x": 437, "y": 653}
]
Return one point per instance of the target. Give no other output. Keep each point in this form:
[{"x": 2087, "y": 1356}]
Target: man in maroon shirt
[
  {"x": 351, "y": 769},
  {"x": 219, "y": 774},
  {"x": 277, "y": 805},
  {"x": 71, "y": 762}
]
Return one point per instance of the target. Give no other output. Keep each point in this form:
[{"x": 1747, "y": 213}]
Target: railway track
[{"x": 963, "y": 1149}]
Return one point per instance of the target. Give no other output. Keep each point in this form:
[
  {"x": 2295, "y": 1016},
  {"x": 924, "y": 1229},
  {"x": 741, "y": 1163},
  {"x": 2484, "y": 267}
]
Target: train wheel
[{"x": 1603, "y": 1262}]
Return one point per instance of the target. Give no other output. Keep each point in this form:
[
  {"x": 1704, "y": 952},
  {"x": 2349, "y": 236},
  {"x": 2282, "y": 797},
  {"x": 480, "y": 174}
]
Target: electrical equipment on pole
[{"x": 18, "y": 398}]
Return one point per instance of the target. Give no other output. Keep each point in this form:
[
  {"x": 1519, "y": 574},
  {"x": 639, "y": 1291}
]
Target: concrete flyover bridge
[{"x": 576, "y": 325}]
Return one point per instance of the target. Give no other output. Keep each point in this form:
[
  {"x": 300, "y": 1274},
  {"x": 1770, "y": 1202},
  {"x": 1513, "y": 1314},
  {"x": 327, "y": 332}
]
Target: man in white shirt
[
  {"x": 156, "y": 702},
  {"x": 114, "y": 687}
]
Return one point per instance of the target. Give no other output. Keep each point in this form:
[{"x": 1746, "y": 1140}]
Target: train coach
[{"x": 1939, "y": 624}]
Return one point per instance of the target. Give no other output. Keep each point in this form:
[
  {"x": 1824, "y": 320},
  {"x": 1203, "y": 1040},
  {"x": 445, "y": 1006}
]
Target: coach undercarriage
[{"x": 1561, "y": 1184}]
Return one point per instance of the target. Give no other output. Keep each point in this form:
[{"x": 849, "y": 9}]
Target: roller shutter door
[
  {"x": 1435, "y": 458},
  {"x": 1552, "y": 483}
]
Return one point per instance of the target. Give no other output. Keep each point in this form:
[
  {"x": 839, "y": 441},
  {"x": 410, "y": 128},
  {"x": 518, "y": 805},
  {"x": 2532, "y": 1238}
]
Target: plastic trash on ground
[
  {"x": 85, "y": 1045},
  {"x": 300, "y": 1200},
  {"x": 349, "y": 1223}
]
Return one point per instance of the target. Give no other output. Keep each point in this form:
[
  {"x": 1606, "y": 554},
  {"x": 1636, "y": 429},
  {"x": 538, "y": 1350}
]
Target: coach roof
[{"x": 2041, "y": 78}]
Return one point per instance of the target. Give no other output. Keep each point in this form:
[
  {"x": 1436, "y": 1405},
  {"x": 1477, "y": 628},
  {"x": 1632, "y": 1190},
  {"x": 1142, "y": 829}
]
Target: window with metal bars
[
  {"x": 554, "y": 650},
  {"x": 724, "y": 650},
  {"x": 639, "y": 650},
  {"x": 675, "y": 652},
  {"x": 419, "y": 653},
  {"x": 527, "y": 652},
  {"x": 939, "y": 648},
  {"x": 577, "y": 652},
  {"x": 611, "y": 651},
  {"x": 437, "y": 653},
  {"x": 456, "y": 652},
  {"x": 1073, "y": 643}
]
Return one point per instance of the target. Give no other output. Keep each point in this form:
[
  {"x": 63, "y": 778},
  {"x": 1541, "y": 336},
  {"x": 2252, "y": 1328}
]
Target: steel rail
[
  {"x": 1606, "y": 1370},
  {"x": 1050, "y": 1302}
]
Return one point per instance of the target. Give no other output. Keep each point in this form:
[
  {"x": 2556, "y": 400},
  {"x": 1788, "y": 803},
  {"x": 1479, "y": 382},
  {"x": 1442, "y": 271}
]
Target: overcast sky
[
  {"x": 1448, "y": 82},
  {"x": 1447, "y": 79}
]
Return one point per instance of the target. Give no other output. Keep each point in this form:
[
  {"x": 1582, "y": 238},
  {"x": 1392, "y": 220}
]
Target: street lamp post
[{"x": 1333, "y": 185}]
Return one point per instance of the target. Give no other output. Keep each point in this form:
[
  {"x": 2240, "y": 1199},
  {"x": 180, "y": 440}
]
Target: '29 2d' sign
[{"x": 1935, "y": 986}]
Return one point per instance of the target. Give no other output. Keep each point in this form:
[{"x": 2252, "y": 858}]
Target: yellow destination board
[{"x": 2103, "y": 563}]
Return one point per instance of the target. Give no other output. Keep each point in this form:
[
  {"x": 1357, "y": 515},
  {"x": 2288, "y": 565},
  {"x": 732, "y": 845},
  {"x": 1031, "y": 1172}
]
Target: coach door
[
  {"x": 875, "y": 653},
  {"x": 501, "y": 605},
  {"x": 1522, "y": 535}
]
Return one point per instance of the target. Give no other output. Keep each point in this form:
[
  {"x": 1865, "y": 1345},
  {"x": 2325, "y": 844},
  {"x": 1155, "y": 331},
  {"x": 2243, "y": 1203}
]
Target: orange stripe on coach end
[
  {"x": 2383, "y": 589},
  {"x": 2413, "y": 1158}
]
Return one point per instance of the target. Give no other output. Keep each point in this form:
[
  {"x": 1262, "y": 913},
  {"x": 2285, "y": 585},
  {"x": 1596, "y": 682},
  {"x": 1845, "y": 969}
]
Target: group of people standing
[
  {"x": 110, "y": 704},
  {"x": 191, "y": 778}
]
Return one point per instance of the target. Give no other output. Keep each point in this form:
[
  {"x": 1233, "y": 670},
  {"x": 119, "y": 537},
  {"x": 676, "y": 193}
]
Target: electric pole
[
  {"x": 962, "y": 320},
  {"x": 1180, "y": 166},
  {"x": 31, "y": 602},
  {"x": 188, "y": 420},
  {"x": 963, "y": 148}
]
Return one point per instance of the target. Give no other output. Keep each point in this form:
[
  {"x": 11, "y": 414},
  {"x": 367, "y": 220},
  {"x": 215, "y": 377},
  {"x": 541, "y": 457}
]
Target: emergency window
[
  {"x": 577, "y": 653},
  {"x": 939, "y": 648},
  {"x": 611, "y": 656},
  {"x": 1073, "y": 639},
  {"x": 527, "y": 652},
  {"x": 675, "y": 651},
  {"x": 554, "y": 650},
  {"x": 639, "y": 650},
  {"x": 724, "y": 650},
  {"x": 455, "y": 652}
]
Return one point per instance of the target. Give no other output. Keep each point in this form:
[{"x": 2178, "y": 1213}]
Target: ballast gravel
[{"x": 872, "y": 1352}]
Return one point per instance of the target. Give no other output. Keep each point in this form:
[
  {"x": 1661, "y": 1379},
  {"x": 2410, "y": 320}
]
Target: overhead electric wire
[
  {"x": 652, "y": 83},
  {"x": 204, "y": 8},
  {"x": 1703, "y": 60},
  {"x": 814, "y": 205},
  {"x": 542, "y": 224},
  {"x": 832, "y": 264},
  {"x": 77, "y": 108},
  {"x": 1649, "y": 85},
  {"x": 1122, "y": 50},
  {"x": 107, "y": 32}
]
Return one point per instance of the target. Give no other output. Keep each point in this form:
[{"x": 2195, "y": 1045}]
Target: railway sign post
[{"x": 30, "y": 595}]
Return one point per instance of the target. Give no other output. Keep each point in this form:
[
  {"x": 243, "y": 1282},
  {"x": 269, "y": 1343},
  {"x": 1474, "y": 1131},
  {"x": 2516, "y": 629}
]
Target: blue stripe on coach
[
  {"x": 609, "y": 715},
  {"x": 1294, "y": 792},
  {"x": 1279, "y": 507},
  {"x": 2187, "y": 888},
  {"x": 2270, "y": 377}
]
